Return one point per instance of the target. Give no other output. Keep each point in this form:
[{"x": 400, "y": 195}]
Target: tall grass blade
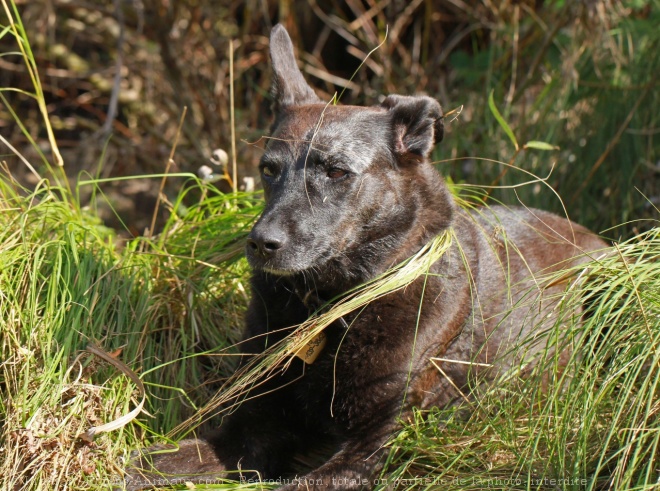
[{"x": 503, "y": 124}]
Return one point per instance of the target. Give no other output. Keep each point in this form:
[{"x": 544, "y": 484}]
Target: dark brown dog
[{"x": 349, "y": 193}]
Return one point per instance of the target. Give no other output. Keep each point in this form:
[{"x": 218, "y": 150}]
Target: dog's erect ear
[
  {"x": 289, "y": 87},
  {"x": 416, "y": 122}
]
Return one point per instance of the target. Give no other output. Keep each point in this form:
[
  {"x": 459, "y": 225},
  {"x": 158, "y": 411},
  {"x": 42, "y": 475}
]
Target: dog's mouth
[
  {"x": 282, "y": 267},
  {"x": 279, "y": 272},
  {"x": 289, "y": 264}
]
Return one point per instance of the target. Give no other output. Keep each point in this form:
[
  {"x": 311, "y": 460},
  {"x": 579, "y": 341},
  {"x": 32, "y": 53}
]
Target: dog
[{"x": 350, "y": 192}]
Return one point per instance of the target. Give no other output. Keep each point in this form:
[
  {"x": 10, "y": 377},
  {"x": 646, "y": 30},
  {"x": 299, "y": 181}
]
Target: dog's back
[{"x": 518, "y": 285}]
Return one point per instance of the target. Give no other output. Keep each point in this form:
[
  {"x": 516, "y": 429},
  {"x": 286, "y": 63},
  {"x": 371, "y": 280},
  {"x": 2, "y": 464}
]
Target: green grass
[
  {"x": 171, "y": 306},
  {"x": 594, "y": 427}
]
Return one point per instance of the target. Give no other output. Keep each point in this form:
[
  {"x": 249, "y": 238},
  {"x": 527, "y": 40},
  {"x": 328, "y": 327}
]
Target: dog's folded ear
[
  {"x": 416, "y": 122},
  {"x": 289, "y": 87}
]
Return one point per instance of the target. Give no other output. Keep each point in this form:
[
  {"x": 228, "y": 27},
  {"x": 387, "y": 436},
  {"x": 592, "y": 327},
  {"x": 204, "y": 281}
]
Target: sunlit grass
[
  {"x": 593, "y": 426},
  {"x": 170, "y": 307},
  {"x": 65, "y": 284}
]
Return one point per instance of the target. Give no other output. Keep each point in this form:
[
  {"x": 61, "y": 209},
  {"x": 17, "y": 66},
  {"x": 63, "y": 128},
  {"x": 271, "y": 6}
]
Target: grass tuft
[
  {"x": 159, "y": 305},
  {"x": 591, "y": 426}
]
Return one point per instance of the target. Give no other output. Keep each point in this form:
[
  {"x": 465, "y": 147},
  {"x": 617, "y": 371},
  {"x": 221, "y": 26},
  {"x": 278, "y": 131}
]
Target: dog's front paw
[{"x": 166, "y": 465}]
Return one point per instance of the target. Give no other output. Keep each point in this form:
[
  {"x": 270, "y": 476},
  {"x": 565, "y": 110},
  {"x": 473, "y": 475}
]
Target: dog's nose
[{"x": 266, "y": 244}]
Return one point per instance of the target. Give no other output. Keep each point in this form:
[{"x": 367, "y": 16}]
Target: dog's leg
[
  {"x": 166, "y": 465},
  {"x": 261, "y": 437},
  {"x": 257, "y": 441},
  {"x": 354, "y": 467}
]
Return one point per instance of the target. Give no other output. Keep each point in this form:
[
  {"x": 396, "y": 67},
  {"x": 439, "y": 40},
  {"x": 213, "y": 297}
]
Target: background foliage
[{"x": 581, "y": 75}]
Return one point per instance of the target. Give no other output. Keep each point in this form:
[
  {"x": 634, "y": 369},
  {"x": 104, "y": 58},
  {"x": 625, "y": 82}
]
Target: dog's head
[{"x": 344, "y": 185}]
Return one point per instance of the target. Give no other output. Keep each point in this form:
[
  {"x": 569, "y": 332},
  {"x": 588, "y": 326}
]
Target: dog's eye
[{"x": 336, "y": 173}]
